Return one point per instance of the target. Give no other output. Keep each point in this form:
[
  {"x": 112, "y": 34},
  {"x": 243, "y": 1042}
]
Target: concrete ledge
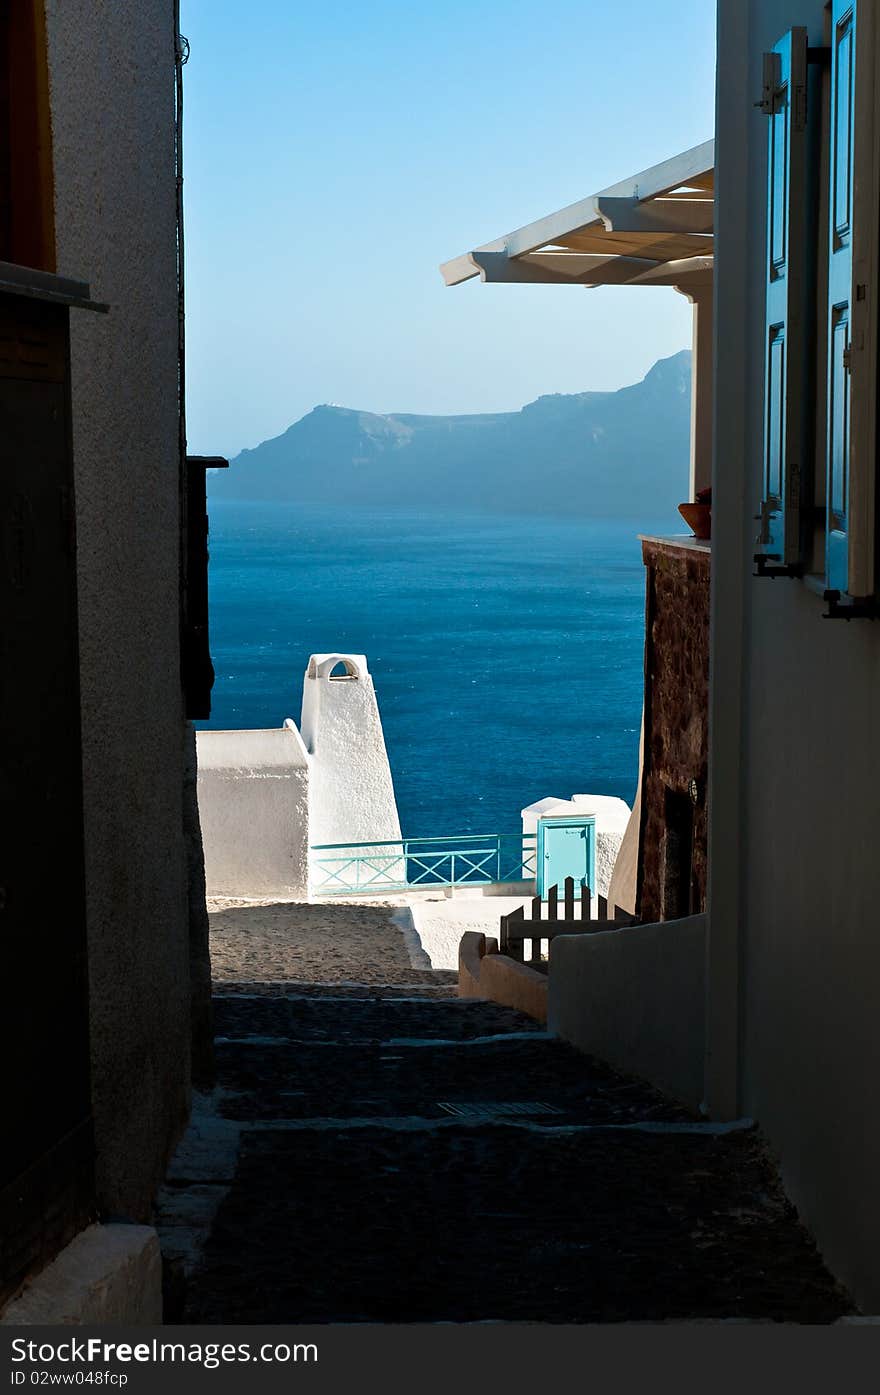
[
  {"x": 484, "y": 973},
  {"x": 635, "y": 997},
  {"x": 107, "y": 1274}
]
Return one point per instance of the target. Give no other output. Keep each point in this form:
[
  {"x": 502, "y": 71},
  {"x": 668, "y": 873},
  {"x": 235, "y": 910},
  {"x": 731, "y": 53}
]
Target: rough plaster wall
[
  {"x": 806, "y": 868},
  {"x": 254, "y": 809},
  {"x": 111, "y": 76},
  {"x": 607, "y": 848},
  {"x": 352, "y": 795}
]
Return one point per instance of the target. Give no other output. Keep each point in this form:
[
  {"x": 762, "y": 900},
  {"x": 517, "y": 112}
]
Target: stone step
[
  {"x": 435, "y": 984},
  {"x": 276, "y": 1078},
  {"x": 475, "y": 1225},
  {"x": 335, "y": 1017}
]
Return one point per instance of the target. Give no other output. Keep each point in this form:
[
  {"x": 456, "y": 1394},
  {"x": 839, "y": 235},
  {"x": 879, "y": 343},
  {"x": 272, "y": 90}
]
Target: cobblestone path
[{"x": 373, "y": 1155}]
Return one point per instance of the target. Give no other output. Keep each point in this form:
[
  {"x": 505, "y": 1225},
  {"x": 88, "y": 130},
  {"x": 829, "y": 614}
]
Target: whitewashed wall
[
  {"x": 254, "y": 809},
  {"x": 351, "y": 794},
  {"x": 794, "y": 953}
]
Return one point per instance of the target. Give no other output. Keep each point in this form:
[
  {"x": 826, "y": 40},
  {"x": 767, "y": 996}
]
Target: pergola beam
[
  {"x": 685, "y": 271},
  {"x": 656, "y": 215},
  {"x": 648, "y": 184},
  {"x": 559, "y": 268},
  {"x": 692, "y": 169}
]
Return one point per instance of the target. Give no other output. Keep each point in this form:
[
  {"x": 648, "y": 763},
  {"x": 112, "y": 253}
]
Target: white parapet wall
[
  {"x": 254, "y": 808},
  {"x": 636, "y": 998},
  {"x": 351, "y": 793}
]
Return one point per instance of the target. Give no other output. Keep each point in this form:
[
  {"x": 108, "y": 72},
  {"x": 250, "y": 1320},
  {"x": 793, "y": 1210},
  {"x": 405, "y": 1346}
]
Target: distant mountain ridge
[{"x": 588, "y": 453}]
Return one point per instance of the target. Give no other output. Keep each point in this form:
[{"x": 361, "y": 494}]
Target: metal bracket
[
  {"x": 765, "y": 566},
  {"x": 865, "y": 608},
  {"x": 771, "y": 87}
]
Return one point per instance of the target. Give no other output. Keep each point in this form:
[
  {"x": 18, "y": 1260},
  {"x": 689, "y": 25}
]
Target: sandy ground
[{"x": 270, "y": 941}]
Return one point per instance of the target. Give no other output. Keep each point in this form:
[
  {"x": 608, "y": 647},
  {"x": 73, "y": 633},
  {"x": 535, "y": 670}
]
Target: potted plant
[{"x": 698, "y": 515}]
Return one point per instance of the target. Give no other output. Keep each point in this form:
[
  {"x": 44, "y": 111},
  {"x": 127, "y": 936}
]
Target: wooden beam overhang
[
  {"x": 558, "y": 268},
  {"x": 660, "y": 215},
  {"x": 682, "y": 215}
]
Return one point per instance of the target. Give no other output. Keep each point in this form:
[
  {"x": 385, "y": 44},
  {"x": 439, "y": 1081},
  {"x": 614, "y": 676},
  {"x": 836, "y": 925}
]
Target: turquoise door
[{"x": 566, "y": 848}]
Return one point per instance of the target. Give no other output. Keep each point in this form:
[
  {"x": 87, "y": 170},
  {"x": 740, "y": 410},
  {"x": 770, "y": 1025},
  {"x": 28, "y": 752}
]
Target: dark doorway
[{"x": 677, "y": 891}]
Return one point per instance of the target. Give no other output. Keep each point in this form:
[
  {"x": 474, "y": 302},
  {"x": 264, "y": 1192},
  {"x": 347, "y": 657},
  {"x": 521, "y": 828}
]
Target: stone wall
[{"x": 674, "y": 774}]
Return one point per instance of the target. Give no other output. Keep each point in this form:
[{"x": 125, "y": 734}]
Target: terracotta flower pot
[{"x": 698, "y": 518}]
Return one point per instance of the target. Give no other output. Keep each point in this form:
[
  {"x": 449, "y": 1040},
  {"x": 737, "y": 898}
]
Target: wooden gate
[{"x": 576, "y": 919}]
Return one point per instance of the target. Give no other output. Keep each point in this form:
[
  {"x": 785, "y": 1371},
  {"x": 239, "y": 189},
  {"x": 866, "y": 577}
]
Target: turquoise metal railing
[{"x": 338, "y": 869}]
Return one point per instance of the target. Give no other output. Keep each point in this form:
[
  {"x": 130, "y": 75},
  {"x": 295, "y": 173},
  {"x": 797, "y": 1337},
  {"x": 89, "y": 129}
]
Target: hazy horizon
[{"x": 402, "y": 413}]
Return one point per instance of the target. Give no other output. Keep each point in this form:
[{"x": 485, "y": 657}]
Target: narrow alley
[{"x": 377, "y": 1150}]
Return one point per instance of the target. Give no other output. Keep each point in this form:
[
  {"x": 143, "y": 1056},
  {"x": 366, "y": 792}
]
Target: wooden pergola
[{"x": 653, "y": 229}]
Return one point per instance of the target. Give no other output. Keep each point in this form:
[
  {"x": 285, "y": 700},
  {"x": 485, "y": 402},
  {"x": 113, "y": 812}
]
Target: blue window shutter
[
  {"x": 853, "y": 285},
  {"x": 789, "y": 248},
  {"x": 840, "y": 248}
]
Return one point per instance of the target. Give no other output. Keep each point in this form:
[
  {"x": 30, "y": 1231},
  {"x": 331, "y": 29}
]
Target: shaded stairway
[{"x": 383, "y": 1157}]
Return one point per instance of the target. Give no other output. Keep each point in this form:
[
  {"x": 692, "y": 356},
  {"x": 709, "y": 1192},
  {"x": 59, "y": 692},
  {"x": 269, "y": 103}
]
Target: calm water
[{"x": 506, "y": 653}]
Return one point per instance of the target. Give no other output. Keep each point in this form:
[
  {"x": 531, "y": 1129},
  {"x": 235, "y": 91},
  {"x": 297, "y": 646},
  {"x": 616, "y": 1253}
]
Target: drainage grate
[{"x": 491, "y": 1109}]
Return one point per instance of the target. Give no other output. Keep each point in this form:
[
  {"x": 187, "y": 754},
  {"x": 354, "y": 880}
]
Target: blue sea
[{"x": 506, "y": 652}]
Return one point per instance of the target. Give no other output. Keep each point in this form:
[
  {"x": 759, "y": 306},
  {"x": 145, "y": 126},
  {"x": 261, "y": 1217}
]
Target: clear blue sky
[{"x": 336, "y": 153}]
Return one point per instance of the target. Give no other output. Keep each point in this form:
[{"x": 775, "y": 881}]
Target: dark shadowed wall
[{"x": 112, "y": 88}]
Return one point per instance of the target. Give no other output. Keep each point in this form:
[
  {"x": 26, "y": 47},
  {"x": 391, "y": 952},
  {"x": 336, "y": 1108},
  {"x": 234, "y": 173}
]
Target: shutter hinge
[
  {"x": 768, "y": 510},
  {"x": 772, "y": 567},
  {"x": 846, "y": 358},
  {"x": 771, "y": 85},
  {"x": 850, "y": 608}
]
